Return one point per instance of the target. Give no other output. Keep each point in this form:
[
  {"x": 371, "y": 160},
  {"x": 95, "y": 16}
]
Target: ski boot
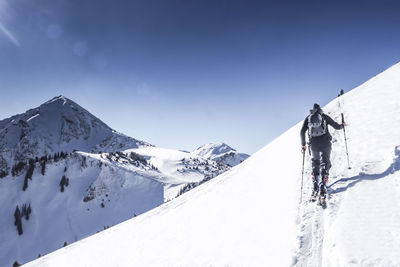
[
  {"x": 323, "y": 191},
  {"x": 314, "y": 193}
]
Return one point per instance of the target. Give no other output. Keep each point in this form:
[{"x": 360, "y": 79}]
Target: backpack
[{"x": 316, "y": 124}]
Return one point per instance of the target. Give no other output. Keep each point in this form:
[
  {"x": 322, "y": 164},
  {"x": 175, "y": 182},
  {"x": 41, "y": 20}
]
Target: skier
[{"x": 320, "y": 143}]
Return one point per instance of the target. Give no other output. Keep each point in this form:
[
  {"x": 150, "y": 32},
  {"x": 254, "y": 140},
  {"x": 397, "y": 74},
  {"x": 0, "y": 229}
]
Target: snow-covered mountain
[
  {"x": 59, "y": 125},
  {"x": 252, "y": 214},
  {"x": 77, "y": 176},
  {"x": 220, "y": 152}
]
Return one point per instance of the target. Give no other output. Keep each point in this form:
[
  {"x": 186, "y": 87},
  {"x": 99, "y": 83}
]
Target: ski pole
[
  {"x": 345, "y": 141},
  {"x": 302, "y": 175}
]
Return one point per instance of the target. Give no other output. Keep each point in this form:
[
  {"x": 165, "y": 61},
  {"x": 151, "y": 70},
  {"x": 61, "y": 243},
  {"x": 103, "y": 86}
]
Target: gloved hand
[
  {"x": 344, "y": 124},
  {"x": 303, "y": 148}
]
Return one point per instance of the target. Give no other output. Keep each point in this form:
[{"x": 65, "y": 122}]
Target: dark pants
[{"x": 321, "y": 151}]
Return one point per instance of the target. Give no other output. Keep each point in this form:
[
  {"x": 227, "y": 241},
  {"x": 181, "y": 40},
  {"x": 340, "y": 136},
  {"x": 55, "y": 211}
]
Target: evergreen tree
[
  {"x": 17, "y": 214},
  {"x": 28, "y": 212},
  {"x": 25, "y": 184},
  {"x": 43, "y": 165},
  {"x": 18, "y": 223},
  {"x": 29, "y": 173},
  {"x": 64, "y": 155},
  {"x": 31, "y": 168},
  {"x": 64, "y": 182}
]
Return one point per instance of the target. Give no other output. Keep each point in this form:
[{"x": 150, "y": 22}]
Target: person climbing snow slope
[{"x": 316, "y": 123}]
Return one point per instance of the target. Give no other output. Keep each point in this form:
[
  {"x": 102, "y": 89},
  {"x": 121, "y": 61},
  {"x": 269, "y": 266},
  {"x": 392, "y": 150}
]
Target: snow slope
[
  {"x": 112, "y": 195},
  {"x": 104, "y": 189},
  {"x": 251, "y": 215},
  {"x": 112, "y": 177},
  {"x": 211, "y": 224},
  {"x": 220, "y": 152}
]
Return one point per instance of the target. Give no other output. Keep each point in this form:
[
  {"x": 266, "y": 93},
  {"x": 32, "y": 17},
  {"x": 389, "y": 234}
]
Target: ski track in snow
[
  {"x": 312, "y": 217},
  {"x": 311, "y": 235},
  {"x": 315, "y": 222}
]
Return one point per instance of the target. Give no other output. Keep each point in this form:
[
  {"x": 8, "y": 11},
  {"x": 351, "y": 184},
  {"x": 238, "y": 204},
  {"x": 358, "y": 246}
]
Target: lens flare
[{"x": 9, "y": 35}]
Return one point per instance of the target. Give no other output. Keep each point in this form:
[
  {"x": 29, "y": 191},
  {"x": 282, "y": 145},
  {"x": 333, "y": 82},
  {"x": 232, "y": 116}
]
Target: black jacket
[{"x": 329, "y": 121}]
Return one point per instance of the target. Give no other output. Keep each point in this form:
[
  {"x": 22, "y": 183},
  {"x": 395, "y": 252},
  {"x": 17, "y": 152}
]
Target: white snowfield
[
  {"x": 115, "y": 190},
  {"x": 251, "y": 215}
]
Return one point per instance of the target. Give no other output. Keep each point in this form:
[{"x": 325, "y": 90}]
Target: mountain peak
[
  {"x": 214, "y": 148},
  {"x": 57, "y": 125},
  {"x": 220, "y": 152},
  {"x": 56, "y": 98},
  {"x": 59, "y": 101}
]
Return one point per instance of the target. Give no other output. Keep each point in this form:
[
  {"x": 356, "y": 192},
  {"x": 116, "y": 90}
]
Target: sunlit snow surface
[
  {"x": 117, "y": 190},
  {"x": 251, "y": 216}
]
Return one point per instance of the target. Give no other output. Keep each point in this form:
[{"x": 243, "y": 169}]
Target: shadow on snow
[{"x": 395, "y": 166}]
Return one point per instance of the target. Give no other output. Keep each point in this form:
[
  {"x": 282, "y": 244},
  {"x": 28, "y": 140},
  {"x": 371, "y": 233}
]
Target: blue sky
[{"x": 181, "y": 73}]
